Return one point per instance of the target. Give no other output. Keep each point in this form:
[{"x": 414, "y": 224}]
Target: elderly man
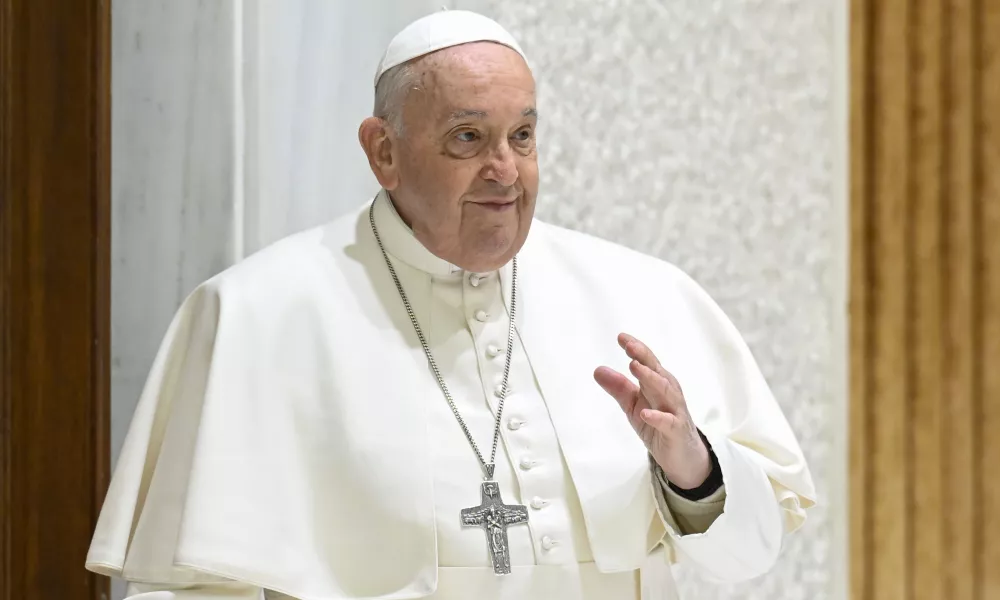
[{"x": 402, "y": 403}]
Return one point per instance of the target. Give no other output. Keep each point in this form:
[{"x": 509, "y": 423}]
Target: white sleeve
[
  {"x": 216, "y": 591},
  {"x": 768, "y": 486},
  {"x": 744, "y": 540}
]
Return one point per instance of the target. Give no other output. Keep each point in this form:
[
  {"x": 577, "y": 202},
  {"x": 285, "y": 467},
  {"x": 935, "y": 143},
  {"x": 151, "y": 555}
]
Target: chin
[
  {"x": 493, "y": 246},
  {"x": 487, "y": 257}
]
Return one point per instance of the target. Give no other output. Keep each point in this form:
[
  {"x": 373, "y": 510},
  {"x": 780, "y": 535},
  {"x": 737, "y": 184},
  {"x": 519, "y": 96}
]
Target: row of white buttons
[
  {"x": 492, "y": 350},
  {"x": 513, "y": 424},
  {"x": 537, "y": 503}
]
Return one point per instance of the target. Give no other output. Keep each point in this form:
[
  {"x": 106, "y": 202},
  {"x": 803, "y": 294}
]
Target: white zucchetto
[{"x": 441, "y": 30}]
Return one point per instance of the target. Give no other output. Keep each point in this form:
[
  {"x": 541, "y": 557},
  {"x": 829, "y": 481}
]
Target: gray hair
[{"x": 391, "y": 92}]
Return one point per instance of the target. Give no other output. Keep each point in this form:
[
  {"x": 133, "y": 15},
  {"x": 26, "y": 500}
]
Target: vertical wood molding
[
  {"x": 959, "y": 294},
  {"x": 988, "y": 187},
  {"x": 889, "y": 294},
  {"x": 926, "y": 470},
  {"x": 6, "y": 446},
  {"x": 859, "y": 294},
  {"x": 54, "y": 293},
  {"x": 925, "y": 299}
]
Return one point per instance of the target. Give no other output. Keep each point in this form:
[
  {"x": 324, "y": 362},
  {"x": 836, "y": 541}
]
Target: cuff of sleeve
[
  {"x": 678, "y": 504},
  {"x": 710, "y": 486},
  {"x": 744, "y": 541}
]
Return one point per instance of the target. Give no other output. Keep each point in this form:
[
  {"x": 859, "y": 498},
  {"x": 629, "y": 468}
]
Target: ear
[{"x": 377, "y": 141}]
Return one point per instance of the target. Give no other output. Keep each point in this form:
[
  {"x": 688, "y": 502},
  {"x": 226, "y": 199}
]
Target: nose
[{"x": 500, "y": 166}]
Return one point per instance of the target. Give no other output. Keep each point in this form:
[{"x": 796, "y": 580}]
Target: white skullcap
[{"x": 440, "y": 30}]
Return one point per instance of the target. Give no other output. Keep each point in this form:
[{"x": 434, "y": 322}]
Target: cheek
[
  {"x": 444, "y": 184},
  {"x": 434, "y": 169},
  {"x": 457, "y": 180},
  {"x": 528, "y": 173},
  {"x": 434, "y": 176}
]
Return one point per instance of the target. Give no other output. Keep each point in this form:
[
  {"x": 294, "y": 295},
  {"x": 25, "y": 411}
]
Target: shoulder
[
  {"x": 630, "y": 284},
  {"x": 290, "y": 269},
  {"x": 578, "y": 250}
]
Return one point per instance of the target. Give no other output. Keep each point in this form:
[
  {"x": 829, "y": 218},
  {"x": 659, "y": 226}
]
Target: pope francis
[{"x": 433, "y": 397}]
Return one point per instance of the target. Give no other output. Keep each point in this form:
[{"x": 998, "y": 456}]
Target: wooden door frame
[
  {"x": 925, "y": 299},
  {"x": 54, "y": 293}
]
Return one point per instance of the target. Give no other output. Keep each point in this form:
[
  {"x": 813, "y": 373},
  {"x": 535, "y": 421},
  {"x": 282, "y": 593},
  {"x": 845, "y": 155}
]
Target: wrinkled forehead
[
  {"x": 474, "y": 60},
  {"x": 474, "y": 76}
]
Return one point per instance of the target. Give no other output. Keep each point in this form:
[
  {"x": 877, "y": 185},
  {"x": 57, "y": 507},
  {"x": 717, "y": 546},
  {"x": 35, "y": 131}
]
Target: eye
[
  {"x": 523, "y": 135},
  {"x": 467, "y": 136}
]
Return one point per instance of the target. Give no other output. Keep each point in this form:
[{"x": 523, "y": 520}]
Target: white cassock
[{"x": 292, "y": 438}]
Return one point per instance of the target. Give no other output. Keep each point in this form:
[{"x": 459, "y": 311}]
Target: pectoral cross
[{"x": 494, "y": 516}]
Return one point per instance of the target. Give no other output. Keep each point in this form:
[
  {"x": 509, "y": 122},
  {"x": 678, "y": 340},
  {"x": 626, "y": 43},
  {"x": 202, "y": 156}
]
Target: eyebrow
[{"x": 459, "y": 115}]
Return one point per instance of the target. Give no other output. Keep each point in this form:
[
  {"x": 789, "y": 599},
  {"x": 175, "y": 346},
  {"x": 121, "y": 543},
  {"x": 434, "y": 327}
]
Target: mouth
[
  {"x": 497, "y": 204},
  {"x": 497, "y": 207}
]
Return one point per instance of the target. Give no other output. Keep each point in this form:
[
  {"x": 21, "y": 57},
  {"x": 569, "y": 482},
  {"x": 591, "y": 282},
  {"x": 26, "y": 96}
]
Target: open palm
[{"x": 658, "y": 413}]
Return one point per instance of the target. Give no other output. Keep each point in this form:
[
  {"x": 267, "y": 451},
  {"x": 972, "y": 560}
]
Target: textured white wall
[
  {"x": 710, "y": 134},
  {"x": 707, "y": 133}
]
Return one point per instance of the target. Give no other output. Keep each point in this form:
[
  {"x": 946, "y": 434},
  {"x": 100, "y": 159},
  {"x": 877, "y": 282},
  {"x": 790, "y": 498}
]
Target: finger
[
  {"x": 618, "y": 387},
  {"x": 663, "y": 422},
  {"x": 655, "y": 388},
  {"x": 639, "y": 351}
]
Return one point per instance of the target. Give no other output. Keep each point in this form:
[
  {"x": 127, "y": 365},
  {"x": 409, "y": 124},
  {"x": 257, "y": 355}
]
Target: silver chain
[{"x": 488, "y": 467}]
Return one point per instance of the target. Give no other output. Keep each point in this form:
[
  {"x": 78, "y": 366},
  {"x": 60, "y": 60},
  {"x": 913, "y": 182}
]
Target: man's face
[{"x": 467, "y": 172}]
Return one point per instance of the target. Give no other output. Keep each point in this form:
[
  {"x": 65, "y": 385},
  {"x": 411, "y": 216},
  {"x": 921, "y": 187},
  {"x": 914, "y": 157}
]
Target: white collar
[{"x": 403, "y": 245}]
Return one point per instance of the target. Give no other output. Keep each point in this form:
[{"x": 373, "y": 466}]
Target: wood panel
[
  {"x": 988, "y": 185},
  {"x": 859, "y": 295},
  {"x": 925, "y": 439},
  {"x": 925, "y": 299},
  {"x": 54, "y": 293},
  {"x": 960, "y": 302},
  {"x": 890, "y": 293}
]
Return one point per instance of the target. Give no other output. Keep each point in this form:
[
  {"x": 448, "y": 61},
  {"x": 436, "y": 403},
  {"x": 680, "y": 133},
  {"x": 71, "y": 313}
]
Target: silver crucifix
[{"x": 494, "y": 516}]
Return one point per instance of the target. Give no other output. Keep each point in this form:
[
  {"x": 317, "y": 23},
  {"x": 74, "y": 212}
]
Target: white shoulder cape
[{"x": 278, "y": 440}]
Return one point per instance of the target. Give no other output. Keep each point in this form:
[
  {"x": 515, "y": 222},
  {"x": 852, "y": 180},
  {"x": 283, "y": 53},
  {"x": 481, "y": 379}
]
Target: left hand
[{"x": 658, "y": 413}]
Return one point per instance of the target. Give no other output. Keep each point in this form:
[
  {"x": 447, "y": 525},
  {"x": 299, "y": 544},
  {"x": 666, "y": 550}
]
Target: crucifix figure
[{"x": 494, "y": 516}]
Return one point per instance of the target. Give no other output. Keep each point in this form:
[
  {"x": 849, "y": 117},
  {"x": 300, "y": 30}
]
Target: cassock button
[
  {"x": 527, "y": 464},
  {"x": 498, "y": 392},
  {"x": 539, "y": 503},
  {"x": 492, "y": 350},
  {"x": 548, "y": 543},
  {"x": 474, "y": 279},
  {"x": 514, "y": 423},
  {"x": 481, "y": 316}
]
